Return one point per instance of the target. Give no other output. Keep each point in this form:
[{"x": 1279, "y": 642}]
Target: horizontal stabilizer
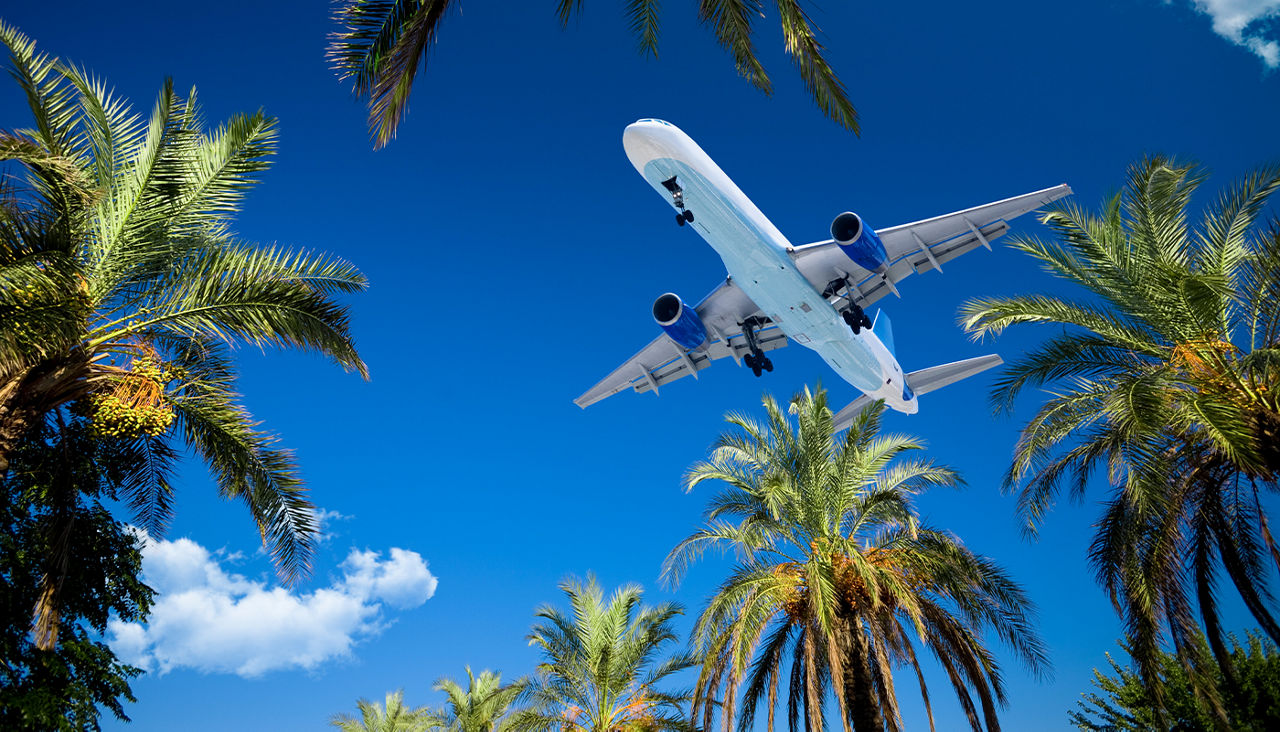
[
  {"x": 933, "y": 379},
  {"x": 845, "y": 416},
  {"x": 923, "y": 382}
]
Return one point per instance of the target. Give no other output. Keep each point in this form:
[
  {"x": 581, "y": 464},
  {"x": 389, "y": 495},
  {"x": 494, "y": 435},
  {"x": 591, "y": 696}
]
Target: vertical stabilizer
[{"x": 884, "y": 331}]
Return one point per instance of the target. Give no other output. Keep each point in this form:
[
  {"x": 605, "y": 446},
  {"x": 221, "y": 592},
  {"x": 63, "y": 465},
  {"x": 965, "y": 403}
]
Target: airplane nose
[{"x": 646, "y": 140}]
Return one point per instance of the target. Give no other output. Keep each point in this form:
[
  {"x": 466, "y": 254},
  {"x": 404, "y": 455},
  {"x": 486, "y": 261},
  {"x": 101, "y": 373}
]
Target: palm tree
[
  {"x": 837, "y": 576},
  {"x": 122, "y": 292},
  {"x": 395, "y": 718},
  {"x": 383, "y": 42},
  {"x": 1166, "y": 375},
  {"x": 600, "y": 670},
  {"x": 481, "y": 707}
]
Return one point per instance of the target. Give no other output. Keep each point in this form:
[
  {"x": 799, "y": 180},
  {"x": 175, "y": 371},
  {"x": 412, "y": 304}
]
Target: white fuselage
[{"x": 758, "y": 258}]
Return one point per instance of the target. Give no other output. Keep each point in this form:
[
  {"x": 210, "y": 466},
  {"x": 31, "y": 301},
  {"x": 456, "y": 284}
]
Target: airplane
[{"x": 815, "y": 295}]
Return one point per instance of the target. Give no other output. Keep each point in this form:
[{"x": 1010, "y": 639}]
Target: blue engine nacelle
[
  {"x": 859, "y": 242},
  {"x": 680, "y": 322}
]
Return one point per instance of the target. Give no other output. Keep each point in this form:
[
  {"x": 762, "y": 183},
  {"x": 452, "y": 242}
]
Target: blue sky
[{"x": 514, "y": 253}]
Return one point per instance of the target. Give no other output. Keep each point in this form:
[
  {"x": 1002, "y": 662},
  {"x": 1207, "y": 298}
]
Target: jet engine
[
  {"x": 680, "y": 322},
  {"x": 859, "y": 242}
]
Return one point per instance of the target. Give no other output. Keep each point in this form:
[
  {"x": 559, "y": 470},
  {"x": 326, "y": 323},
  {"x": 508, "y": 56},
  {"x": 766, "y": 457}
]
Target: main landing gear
[
  {"x": 683, "y": 215},
  {"x": 755, "y": 360},
  {"x": 856, "y": 318}
]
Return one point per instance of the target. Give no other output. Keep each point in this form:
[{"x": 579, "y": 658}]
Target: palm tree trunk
[
  {"x": 15, "y": 418},
  {"x": 812, "y": 686},
  {"x": 859, "y": 689},
  {"x": 63, "y": 496},
  {"x": 27, "y": 395}
]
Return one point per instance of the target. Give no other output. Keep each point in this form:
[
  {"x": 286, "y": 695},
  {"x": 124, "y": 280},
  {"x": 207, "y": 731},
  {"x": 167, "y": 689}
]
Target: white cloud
[
  {"x": 324, "y": 523},
  {"x": 1246, "y": 23},
  {"x": 402, "y": 581},
  {"x": 212, "y": 620}
]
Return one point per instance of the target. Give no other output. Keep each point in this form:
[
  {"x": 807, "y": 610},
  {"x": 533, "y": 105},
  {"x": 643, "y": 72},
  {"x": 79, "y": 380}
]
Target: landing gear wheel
[
  {"x": 679, "y": 219},
  {"x": 856, "y": 319},
  {"x": 755, "y": 363},
  {"x": 767, "y": 364},
  {"x": 688, "y": 215},
  {"x": 853, "y": 321}
]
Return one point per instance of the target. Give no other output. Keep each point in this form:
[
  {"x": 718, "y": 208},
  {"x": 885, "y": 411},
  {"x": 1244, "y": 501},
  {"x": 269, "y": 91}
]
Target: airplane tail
[
  {"x": 884, "y": 330},
  {"x": 923, "y": 381}
]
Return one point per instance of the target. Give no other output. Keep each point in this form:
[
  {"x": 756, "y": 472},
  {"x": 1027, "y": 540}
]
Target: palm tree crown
[
  {"x": 383, "y": 42},
  {"x": 122, "y": 290},
  {"x": 481, "y": 707},
  {"x": 601, "y": 668},
  {"x": 836, "y": 576},
  {"x": 395, "y": 717},
  {"x": 1166, "y": 376}
]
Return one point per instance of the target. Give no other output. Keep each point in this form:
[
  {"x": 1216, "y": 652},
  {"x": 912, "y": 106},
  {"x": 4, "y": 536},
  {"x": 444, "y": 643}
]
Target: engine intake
[
  {"x": 859, "y": 242},
  {"x": 679, "y": 322}
]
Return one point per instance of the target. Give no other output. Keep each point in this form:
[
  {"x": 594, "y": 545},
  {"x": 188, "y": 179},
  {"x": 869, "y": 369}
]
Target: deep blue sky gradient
[{"x": 514, "y": 253}]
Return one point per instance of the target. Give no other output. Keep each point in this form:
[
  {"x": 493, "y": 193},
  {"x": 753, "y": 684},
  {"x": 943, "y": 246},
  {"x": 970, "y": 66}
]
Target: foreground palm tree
[
  {"x": 122, "y": 292},
  {"x": 383, "y": 42},
  {"x": 838, "y": 578},
  {"x": 481, "y": 707},
  {"x": 600, "y": 670},
  {"x": 1165, "y": 374},
  {"x": 395, "y": 717}
]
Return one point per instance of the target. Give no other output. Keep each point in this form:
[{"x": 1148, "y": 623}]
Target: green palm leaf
[{"x": 382, "y": 44}]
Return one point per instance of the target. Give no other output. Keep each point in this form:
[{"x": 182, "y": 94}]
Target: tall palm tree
[
  {"x": 481, "y": 707},
  {"x": 122, "y": 291},
  {"x": 383, "y": 42},
  {"x": 1165, "y": 373},
  {"x": 837, "y": 577},
  {"x": 601, "y": 668},
  {"x": 395, "y": 717}
]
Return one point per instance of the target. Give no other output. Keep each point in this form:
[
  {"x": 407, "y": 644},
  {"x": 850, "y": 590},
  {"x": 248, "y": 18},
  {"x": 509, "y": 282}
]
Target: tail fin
[
  {"x": 922, "y": 381},
  {"x": 884, "y": 330}
]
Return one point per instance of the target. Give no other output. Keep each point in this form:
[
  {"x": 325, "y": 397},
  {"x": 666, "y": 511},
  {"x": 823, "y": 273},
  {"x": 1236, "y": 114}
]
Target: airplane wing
[
  {"x": 919, "y": 246},
  {"x": 662, "y": 361},
  {"x": 916, "y": 247}
]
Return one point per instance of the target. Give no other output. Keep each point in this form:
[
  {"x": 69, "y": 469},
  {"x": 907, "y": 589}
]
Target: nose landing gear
[{"x": 683, "y": 215}]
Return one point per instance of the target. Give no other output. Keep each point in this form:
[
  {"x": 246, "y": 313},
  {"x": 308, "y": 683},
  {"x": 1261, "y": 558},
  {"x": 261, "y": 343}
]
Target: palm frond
[{"x": 801, "y": 43}]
